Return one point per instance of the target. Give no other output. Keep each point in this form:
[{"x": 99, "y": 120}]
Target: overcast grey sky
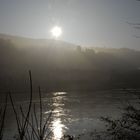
[{"x": 84, "y": 22}]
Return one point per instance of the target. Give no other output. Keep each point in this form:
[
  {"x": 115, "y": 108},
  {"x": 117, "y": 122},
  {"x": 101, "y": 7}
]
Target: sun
[{"x": 56, "y": 31}]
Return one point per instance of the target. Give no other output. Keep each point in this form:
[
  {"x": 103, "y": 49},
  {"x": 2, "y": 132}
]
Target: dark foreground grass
[{"x": 29, "y": 125}]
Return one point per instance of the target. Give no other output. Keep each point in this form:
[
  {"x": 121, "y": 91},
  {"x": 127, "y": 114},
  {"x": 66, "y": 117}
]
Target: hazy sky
[{"x": 84, "y": 22}]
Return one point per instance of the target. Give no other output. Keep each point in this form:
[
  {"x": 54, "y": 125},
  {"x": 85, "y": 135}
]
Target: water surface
[{"x": 73, "y": 112}]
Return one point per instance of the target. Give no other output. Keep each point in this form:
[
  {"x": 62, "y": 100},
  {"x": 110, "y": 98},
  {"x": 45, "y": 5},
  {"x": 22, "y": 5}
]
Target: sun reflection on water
[
  {"x": 58, "y": 129},
  {"x": 59, "y": 93},
  {"x": 57, "y": 124}
]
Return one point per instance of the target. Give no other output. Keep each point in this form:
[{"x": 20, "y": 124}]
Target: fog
[{"x": 58, "y": 65}]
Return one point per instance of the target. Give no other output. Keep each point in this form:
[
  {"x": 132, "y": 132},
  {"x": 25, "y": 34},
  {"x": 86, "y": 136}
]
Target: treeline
[{"x": 60, "y": 66}]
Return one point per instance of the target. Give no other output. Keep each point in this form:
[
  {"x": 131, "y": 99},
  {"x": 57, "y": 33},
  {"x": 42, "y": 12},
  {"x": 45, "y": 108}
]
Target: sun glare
[{"x": 56, "y": 31}]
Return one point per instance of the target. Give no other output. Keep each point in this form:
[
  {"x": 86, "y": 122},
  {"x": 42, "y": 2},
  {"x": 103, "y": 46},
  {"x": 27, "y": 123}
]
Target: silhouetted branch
[{"x": 2, "y": 118}]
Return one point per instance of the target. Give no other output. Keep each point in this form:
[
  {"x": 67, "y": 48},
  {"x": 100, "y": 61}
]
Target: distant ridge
[{"x": 25, "y": 41}]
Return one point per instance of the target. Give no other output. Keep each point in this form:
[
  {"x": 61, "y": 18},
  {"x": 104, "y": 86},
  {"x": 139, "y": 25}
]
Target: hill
[{"x": 58, "y": 65}]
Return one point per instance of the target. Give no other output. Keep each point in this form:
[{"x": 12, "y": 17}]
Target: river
[{"x": 73, "y": 113}]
